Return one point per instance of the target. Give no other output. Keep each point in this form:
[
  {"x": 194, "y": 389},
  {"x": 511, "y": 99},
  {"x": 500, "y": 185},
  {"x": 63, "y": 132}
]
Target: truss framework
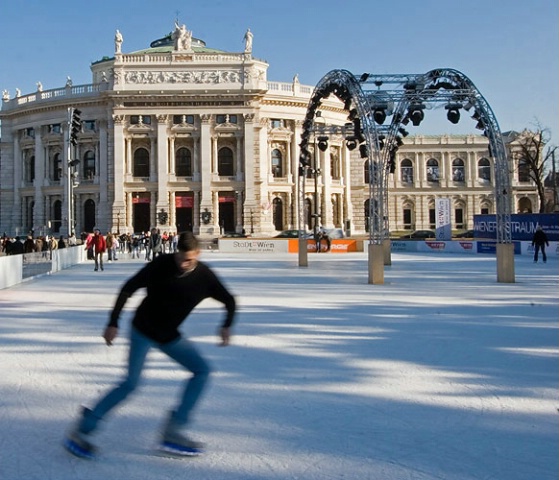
[{"x": 365, "y": 97}]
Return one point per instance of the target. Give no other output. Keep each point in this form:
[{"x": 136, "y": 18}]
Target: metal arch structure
[
  {"x": 362, "y": 131},
  {"x": 404, "y": 101},
  {"x": 456, "y": 91}
]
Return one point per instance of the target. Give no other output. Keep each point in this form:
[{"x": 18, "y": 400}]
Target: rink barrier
[
  {"x": 15, "y": 269},
  {"x": 347, "y": 245}
]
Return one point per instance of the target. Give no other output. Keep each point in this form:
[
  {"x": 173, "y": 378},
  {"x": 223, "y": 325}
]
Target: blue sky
[{"x": 508, "y": 48}]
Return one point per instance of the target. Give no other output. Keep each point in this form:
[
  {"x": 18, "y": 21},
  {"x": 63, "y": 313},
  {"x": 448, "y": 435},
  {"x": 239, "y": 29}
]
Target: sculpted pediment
[{"x": 151, "y": 77}]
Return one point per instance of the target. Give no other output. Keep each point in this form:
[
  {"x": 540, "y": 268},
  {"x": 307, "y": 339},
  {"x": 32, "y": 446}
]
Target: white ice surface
[{"x": 440, "y": 373}]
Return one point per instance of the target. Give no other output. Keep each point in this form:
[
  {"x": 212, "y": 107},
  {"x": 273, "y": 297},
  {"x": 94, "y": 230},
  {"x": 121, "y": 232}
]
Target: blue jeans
[{"x": 180, "y": 350}]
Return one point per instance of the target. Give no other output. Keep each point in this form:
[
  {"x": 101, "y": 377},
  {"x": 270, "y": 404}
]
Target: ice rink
[{"x": 440, "y": 373}]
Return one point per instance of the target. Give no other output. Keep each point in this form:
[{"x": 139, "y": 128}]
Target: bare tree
[{"x": 533, "y": 154}]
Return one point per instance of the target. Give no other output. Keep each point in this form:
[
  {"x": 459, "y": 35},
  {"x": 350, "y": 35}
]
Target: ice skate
[
  {"x": 79, "y": 443},
  {"x": 174, "y": 442}
]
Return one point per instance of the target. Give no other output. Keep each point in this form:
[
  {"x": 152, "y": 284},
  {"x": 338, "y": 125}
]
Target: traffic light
[{"x": 75, "y": 126}]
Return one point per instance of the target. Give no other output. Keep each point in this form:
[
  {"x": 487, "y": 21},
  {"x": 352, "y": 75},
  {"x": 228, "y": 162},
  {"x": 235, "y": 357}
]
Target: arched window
[
  {"x": 141, "y": 163},
  {"x": 277, "y": 165},
  {"x": 335, "y": 170},
  {"x": 277, "y": 206},
  {"x": 459, "y": 217},
  {"x": 432, "y": 215},
  {"x": 336, "y": 211},
  {"x": 308, "y": 213},
  {"x": 225, "y": 165},
  {"x": 523, "y": 170},
  {"x": 406, "y": 171},
  {"x": 89, "y": 165},
  {"x": 57, "y": 216},
  {"x": 433, "y": 170},
  {"x": 89, "y": 215},
  {"x": 458, "y": 171},
  {"x": 30, "y": 169},
  {"x": 484, "y": 170},
  {"x": 366, "y": 172},
  {"x": 56, "y": 167},
  {"x": 408, "y": 216},
  {"x": 183, "y": 162},
  {"x": 524, "y": 205}
]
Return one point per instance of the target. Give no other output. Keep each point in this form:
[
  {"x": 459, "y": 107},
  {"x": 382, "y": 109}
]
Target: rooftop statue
[
  {"x": 182, "y": 37},
  {"x": 118, "y": 42},
  {"x": 248, "y": 41}
]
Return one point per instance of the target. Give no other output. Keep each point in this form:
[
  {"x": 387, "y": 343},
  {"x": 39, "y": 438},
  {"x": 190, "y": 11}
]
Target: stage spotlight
[
  {"x": 364, "y": 78},
  {"x": 415, "y": 112},
  {"x": 351, "y": 143},
  {"x": 453, "y": 113},
  {"x": 322, "y": 143},
  {"x": 403, "y": 132},
  {"x": 379, "y": 115},
  {"x": 363, "y": 151}
]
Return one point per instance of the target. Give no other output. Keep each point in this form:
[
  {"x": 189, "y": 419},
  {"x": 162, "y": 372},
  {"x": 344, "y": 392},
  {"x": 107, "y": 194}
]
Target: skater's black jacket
[{"x": 171, "y": 296}]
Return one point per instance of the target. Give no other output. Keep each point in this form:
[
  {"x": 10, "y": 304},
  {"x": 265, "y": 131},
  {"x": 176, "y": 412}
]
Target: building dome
[{"x": 166, "y": 44}]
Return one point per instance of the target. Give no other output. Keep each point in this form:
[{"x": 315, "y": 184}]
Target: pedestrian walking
[{"x": 176, "y": 284}]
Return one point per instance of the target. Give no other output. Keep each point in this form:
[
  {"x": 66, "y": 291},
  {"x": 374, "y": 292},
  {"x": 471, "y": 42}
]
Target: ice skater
[
  {"x": 539, "y": 242},
  {"x": 175, "y": 284}
]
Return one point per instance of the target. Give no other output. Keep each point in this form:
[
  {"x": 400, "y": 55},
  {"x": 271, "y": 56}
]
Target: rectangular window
[
  {"x": 432, "y": 221},
  {"x": 219, "y": 119},
  {"x": 407, "y": 219},
  {"x": 89, "y": 125},
  {"x": 276, "y": 123},
  {"x": 485, "y": 211},
  {"x": 140, "y": 120},
  {"x": 183, "y": 119},
  {"x": 55, "y": 128},
  {"x": 30, "y": 132},
  {"x": 459, "y": 218}
]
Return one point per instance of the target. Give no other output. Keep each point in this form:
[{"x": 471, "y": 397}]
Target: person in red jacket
[{"x": 99, "y": 245}]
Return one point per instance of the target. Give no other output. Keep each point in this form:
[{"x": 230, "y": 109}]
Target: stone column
[
  {"x": 172, "y": 153},
  {"x": 162, "y": 170},
  {"x": 205, "y": 202},
  {"x": 250, "y": 203},
  {"x": 105, "y": 210},
  {"x": 18, "y": 172},
  {"x": 39, "y": 209},
  {"x": 119, "y": 158}
]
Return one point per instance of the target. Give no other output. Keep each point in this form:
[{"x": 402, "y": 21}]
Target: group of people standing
[
  {"x": 42, "y": 243},
  {"x": 153, "y": 243}
]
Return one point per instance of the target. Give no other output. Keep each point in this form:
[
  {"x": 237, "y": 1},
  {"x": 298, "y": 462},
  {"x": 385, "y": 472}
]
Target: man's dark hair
[{"x": 187, "y": 242}]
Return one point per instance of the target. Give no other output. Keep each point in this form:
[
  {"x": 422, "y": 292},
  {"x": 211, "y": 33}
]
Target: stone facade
[{"x": 200, "y": 140}]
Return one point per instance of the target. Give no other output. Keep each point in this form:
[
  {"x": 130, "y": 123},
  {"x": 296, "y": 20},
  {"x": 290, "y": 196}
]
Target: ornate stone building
[{"x": 184, "y": 137}]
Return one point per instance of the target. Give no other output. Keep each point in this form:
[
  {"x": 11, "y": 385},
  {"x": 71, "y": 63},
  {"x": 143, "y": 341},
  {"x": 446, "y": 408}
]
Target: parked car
[
  {"x": 334, "y": 233},
  {"x": 215, "y": 241},
  {"x": 466, "y": 234},
  {"x": 419, "y": 235},
  {"x": 293, "y": 234}
]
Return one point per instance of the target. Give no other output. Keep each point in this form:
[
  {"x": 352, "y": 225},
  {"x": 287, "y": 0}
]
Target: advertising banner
[
  {"x": 443, "y": 219},
  {"x": 523, "y": 226}
]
